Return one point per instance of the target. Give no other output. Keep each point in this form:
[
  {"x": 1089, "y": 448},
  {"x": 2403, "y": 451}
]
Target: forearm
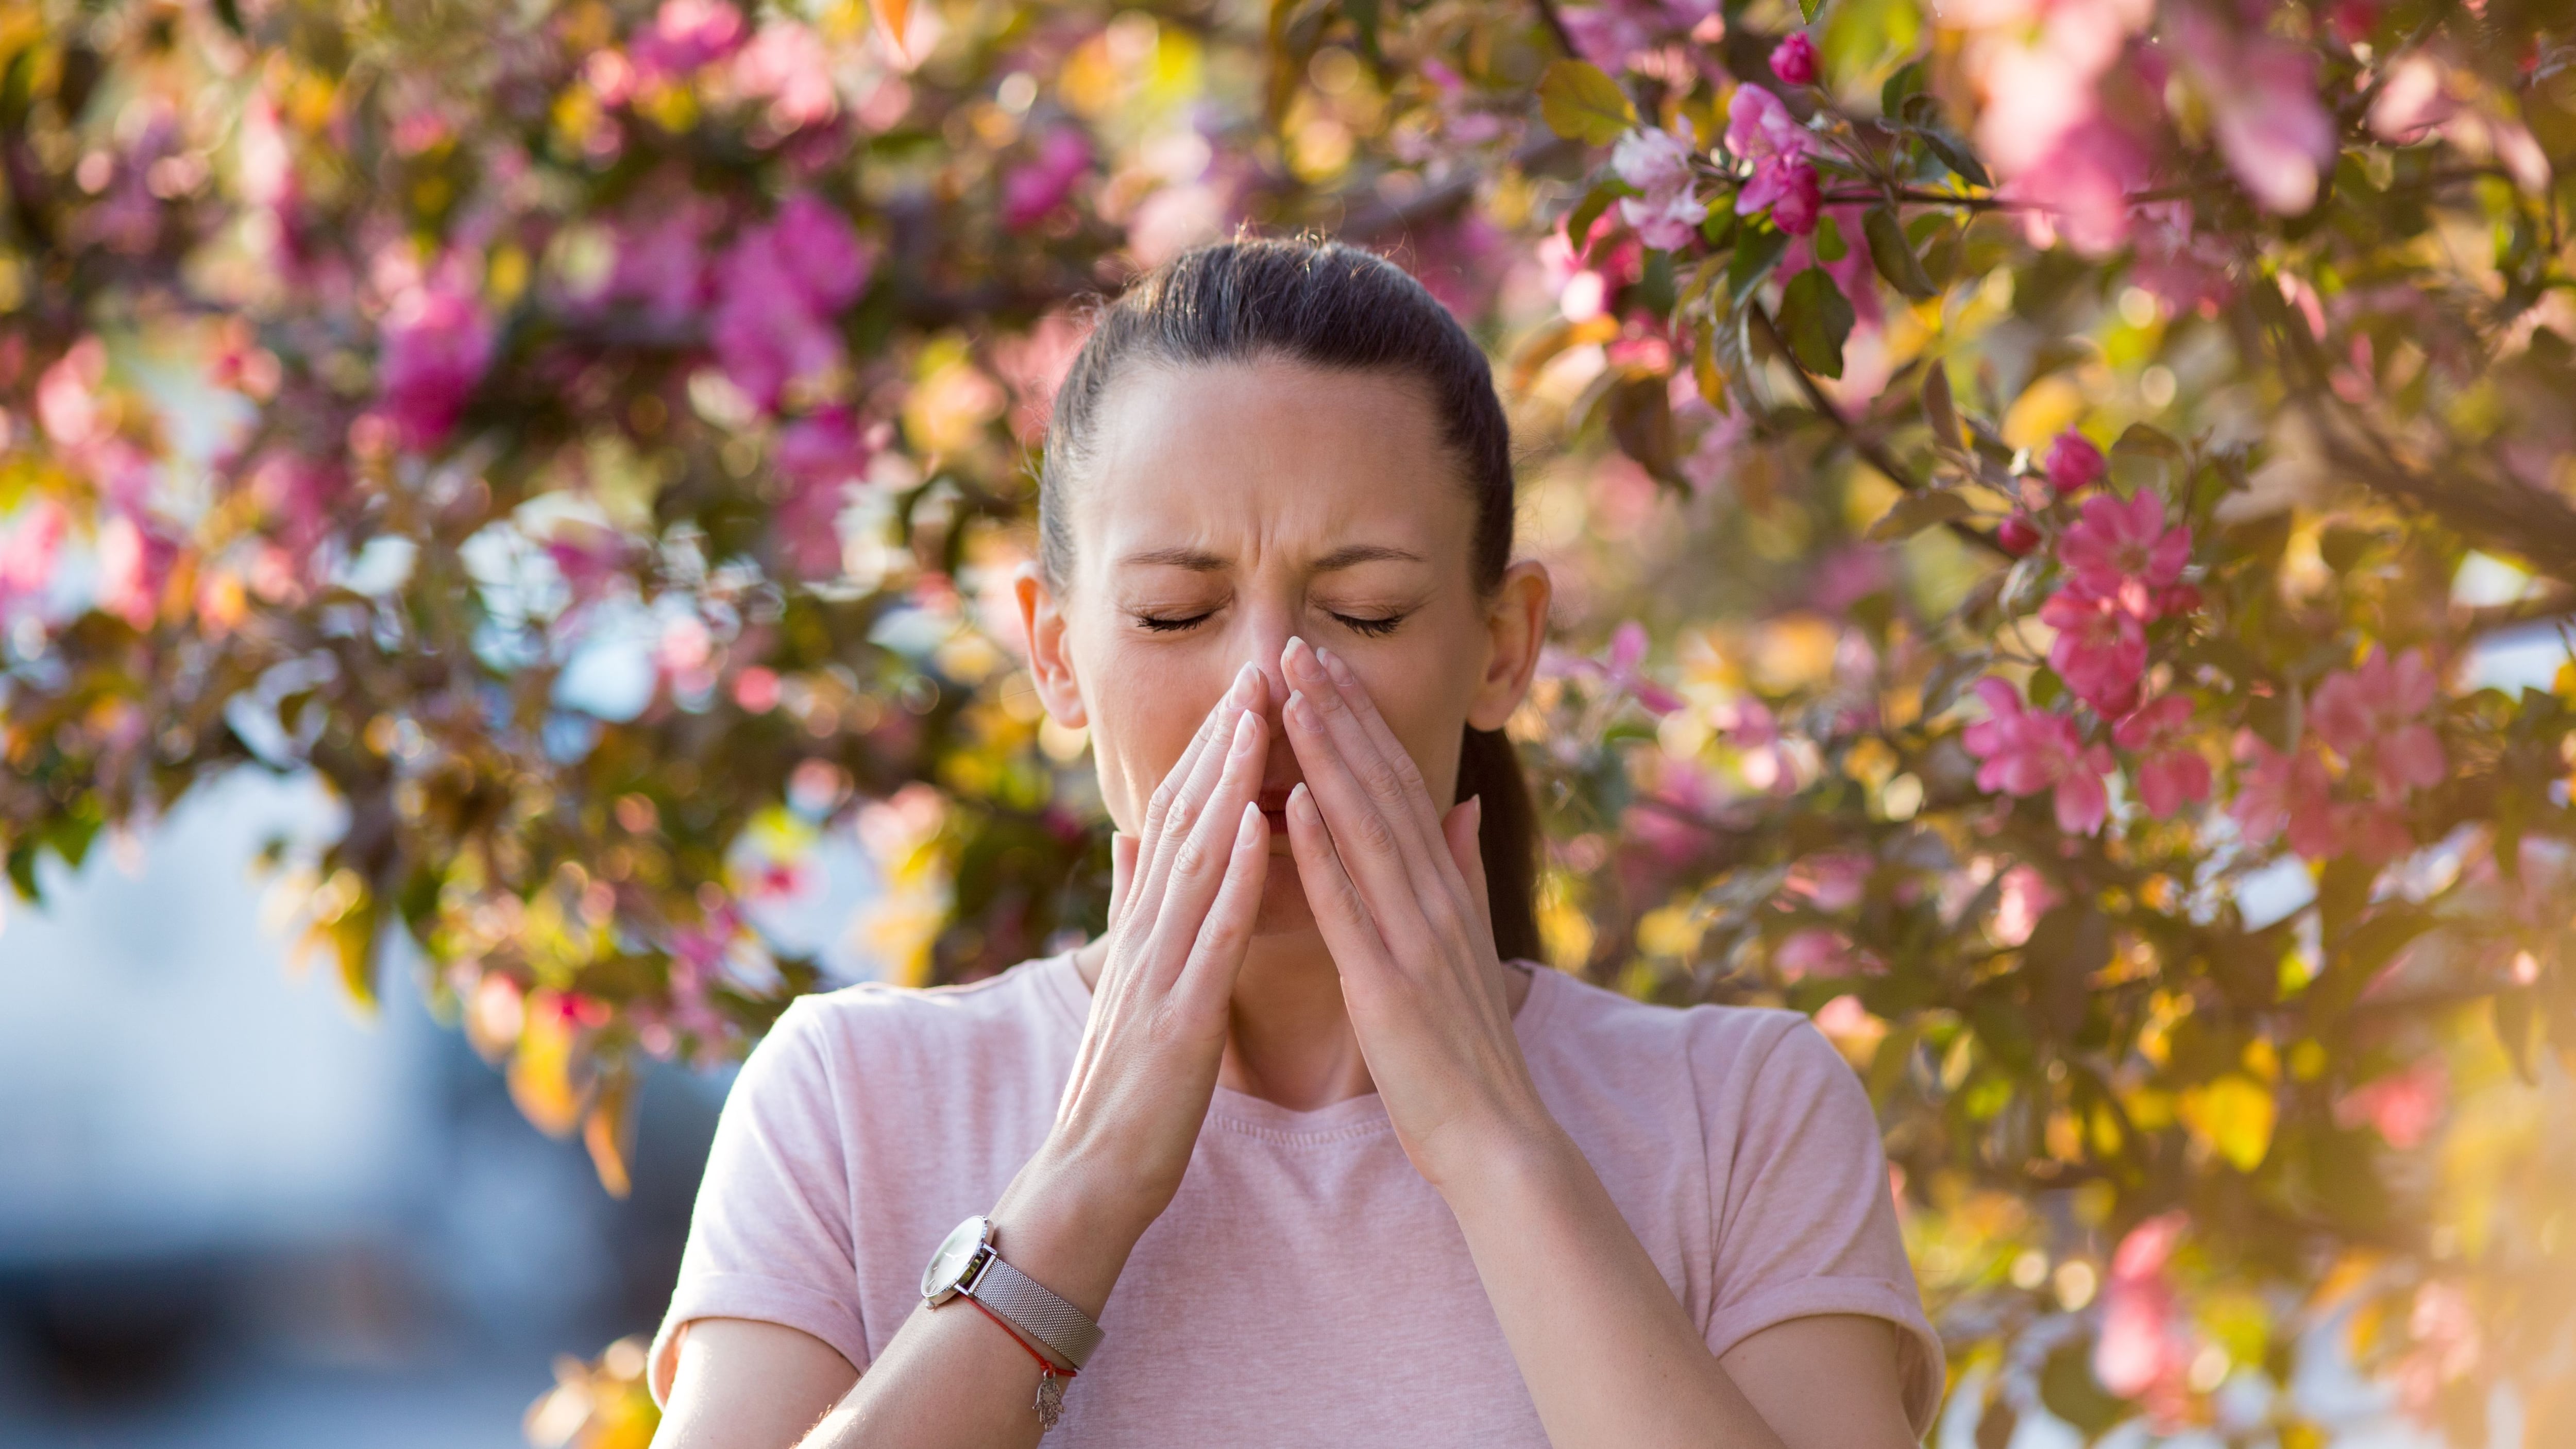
[
  {"x": 1608, "y": 1353},
  {"x": 952, "y": 1378}
]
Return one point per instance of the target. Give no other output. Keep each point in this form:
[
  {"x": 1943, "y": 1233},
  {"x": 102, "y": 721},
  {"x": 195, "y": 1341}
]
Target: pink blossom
[
  {"x": 2374, "y": 712},
  {"x": 2171, "y": 773},
  {"x": 29, "y": 543},
  {"x": 2100, "y": 649},
  {"x": 819, "y": 457},
  {"x": 662, "y": 260},
  {"x": 67, "y": 402},
  {"x": 777, "y": 286},
  {"x": 1794, "y": 59},
  {"x": 791, "y": 67},
  {"x": 2017, "y": 535},
  {"x": 1822, "y": 951},
  {"x": 1787, "y": 186},
  {"x": 2023, "y": 897},
  {"x": 1658, "y": 163},
  {"x": 1032, "y": 190},
  {"x": 2277, "y": 790},
  {"x": 684, "y": 35},
  {"x": 1831, "y": 881},
  {"x": 1618, "y": 667},
  {"x": 2123, "y": 551},
  {"x": 1611, "y": 32},
  {"x": 436, "y": 346},
  {"x": 2262, "y": 93},
  {"x": 2073, "y": 463},
  {"x": 2026, "y": 751},
  {"x": 2145, "y": 1347},
  {"x": 1759, "y": 129},
  {"x": 2405, "y": 1106},
  {"x": 1721, "y": 436},
  {"x": 135, "y": 557},
  {"x": 2447, "y": 1346},
  {"x": 2080, "y": 190}
]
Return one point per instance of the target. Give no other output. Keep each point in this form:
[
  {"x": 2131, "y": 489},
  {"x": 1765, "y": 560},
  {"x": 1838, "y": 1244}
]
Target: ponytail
[{"x": 1489, "y": 767}]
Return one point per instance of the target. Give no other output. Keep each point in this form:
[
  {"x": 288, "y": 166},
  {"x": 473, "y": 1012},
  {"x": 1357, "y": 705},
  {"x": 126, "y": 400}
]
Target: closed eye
[
  {"x": 1161, "y": 624},
  {"x": 1374, "y": 628}
]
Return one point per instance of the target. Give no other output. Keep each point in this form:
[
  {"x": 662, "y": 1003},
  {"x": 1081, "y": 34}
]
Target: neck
[{"x": 1288, "y": 1036}]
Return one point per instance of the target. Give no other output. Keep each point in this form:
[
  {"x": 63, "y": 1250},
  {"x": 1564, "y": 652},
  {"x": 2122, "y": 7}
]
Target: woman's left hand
[{"x": 1399, "y": 894}]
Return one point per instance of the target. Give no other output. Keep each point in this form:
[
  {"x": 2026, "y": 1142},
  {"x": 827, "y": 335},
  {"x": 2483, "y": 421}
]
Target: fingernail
[
  {"x": 1334, "y": 666},
  {"x": 1242, "y": 687},
  {"x": 1296, "y": 706},
  {"x": 1243, "y": 724},
  {"x": 1301, "y": 801},
  {"x": 1301, "y": 657},
  {"x": 1251, "y": 819}
]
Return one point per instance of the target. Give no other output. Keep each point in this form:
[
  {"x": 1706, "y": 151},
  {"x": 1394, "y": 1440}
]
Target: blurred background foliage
[{"x": 2055, "y": 502}]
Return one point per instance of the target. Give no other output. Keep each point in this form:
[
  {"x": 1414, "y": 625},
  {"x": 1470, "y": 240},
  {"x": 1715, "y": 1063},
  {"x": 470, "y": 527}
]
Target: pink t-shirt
[{"x": 1305, "y": 1286}]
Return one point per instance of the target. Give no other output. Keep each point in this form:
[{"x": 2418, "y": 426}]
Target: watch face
[{"x": 949, "y": 1263}]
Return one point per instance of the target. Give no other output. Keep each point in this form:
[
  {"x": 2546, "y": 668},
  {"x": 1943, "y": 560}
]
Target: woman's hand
[
  {"x": 1182, "y": 902},
  {"x": 1399, "y": 894}
]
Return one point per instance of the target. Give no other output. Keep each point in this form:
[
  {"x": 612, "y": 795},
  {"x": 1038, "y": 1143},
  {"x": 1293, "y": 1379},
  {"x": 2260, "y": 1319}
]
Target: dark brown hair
[{"x": 1343, "y": 309}]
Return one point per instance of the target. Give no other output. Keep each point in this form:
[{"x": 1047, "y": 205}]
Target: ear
[
  {"x": 1050, "y": 662},
  {"x": 1516, "y": 628}
]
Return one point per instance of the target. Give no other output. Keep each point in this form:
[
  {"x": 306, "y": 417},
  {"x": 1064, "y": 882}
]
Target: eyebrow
[{"x": 1203, "y": 562}]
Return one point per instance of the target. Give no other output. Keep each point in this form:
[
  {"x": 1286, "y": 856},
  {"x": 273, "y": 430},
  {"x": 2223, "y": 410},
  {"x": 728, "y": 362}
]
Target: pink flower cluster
[
  {"x": 777, "y": 288},
  {"x": 2146, "y": 1345},
  {"x": 1612, "y": 33},
  {"x": 1759, "y": 129},
  {"x": 2028, "y": 750},
  {"x": 2373, "y": 718},
  {"x": 818, "y": 457},
  {"x": 1618, "y": 668},
  {"x": 1658, "y": 163},
  {"x": 2123, "y": 572},
  {"x": 1039, "y": 186},
  {"x": 436, "y": 344}
]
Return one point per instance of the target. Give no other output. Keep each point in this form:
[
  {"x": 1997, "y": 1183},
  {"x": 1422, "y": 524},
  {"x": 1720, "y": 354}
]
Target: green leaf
[
  {"x": 1364, "y": 19},
  {"x": 1579, "y": 222},
  {"x": 1954, "y": 153},
  {"x": 1916, "y": 512},
  {"x": 1815, "y": 318},
  {"x": 2068, "y": 1388},
  {"x": 1641, "y": 419},
  {"x": 1757, "y": 251},
  {"x": 1893, "y": 255},
  {"x": 1908, "y": 81},
  {"x": 1807, "y": 8},
  {"x": 1940, "y": 414},
  {"x": 1830, "y": 246},
  {"x": 1582, "y": 104}
]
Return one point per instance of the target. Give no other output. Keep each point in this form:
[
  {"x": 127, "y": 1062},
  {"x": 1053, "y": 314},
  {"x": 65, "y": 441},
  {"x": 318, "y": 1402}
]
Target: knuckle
[
  {"x": 1374, "y": 833},
  {"x": 1190, "y": 858}
]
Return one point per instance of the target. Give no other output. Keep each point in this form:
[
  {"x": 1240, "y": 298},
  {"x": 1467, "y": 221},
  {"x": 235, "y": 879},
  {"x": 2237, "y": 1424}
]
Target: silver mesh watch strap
[{"x": 1040, "y": 1314}]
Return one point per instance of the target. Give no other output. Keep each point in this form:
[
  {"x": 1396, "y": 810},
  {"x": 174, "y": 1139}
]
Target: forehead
[{"x": 1268, "y": 456}]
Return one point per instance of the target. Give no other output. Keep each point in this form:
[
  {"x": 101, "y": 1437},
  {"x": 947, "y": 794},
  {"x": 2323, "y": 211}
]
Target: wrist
[
  {"x": 1068, "y": 1227},
  {"x": 1506, "y": 1161}
]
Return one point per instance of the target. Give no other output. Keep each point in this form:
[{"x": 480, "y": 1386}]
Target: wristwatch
[{"x": 967, "y": 1263}]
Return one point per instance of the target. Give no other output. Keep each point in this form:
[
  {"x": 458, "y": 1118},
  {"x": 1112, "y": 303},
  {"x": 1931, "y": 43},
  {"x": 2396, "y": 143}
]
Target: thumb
[
  {"x": 1122, "y": 874},
  {"x": 1461, "y": 829}
]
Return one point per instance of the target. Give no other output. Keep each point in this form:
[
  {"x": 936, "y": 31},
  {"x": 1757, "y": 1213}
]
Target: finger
[
  {"x": 1464, "y": 831},
  {"x": 1341, "y": 915},
  {"x": 1380, "y": 737},
  {"x": 1375, "y": 850},
  {"x": 1392, "y": 784},
  {"x": 1198, "y": 860},
  {"x": 1216, "y": 957},
  {"x": 1211, "y": 725},
  {"x": 1184, "y": 793}
]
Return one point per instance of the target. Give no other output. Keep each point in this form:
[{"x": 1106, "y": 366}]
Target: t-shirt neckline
[{"x": 1260, "y": 1117}]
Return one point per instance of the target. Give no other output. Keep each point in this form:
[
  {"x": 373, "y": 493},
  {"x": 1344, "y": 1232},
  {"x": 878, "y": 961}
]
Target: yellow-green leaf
[
  {"x": 2233, "y": 1115},
  {"x": 1582, "y": 104}
]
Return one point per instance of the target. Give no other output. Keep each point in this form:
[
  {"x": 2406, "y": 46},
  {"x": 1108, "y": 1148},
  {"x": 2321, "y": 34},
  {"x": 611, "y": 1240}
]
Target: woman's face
[{"x": 1229, "y": 508}]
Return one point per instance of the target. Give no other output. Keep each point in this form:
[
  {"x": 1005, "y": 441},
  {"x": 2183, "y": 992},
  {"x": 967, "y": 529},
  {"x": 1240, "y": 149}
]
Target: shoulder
[
  {"x": 1718, "y": 1042},
  {"x": 881, "y": 1026}
]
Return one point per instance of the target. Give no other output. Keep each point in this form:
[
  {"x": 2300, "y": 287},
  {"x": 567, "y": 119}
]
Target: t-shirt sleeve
[
  {"x": 1806, "y": 1222},
  {"x": 769, "y": 1238}
]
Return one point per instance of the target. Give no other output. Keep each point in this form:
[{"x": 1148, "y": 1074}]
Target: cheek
[
  {"x": 1143, "y": 713},
  {"x": 1424, "y": 702}
]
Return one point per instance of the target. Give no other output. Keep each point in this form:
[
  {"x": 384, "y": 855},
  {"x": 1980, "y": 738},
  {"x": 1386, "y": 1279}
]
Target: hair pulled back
[{"x": 1342, "y": 309}]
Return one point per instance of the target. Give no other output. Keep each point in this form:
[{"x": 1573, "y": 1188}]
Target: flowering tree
[{"x": 2046, "y": 479}]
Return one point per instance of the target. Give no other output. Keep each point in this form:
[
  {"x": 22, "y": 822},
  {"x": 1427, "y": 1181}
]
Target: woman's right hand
[{"x": 1184, "y": 893}]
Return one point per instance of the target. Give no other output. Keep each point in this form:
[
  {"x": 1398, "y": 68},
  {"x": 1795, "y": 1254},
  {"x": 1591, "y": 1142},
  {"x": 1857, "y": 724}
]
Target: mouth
[{"x": 1273, "y": 801}]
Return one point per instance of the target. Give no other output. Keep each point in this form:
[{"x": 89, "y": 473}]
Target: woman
[{"x": 1304, "y": 1139}]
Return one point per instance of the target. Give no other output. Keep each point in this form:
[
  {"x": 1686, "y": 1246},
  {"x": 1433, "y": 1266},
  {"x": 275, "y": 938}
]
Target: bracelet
[{"x": 1050, "y": 1401}]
